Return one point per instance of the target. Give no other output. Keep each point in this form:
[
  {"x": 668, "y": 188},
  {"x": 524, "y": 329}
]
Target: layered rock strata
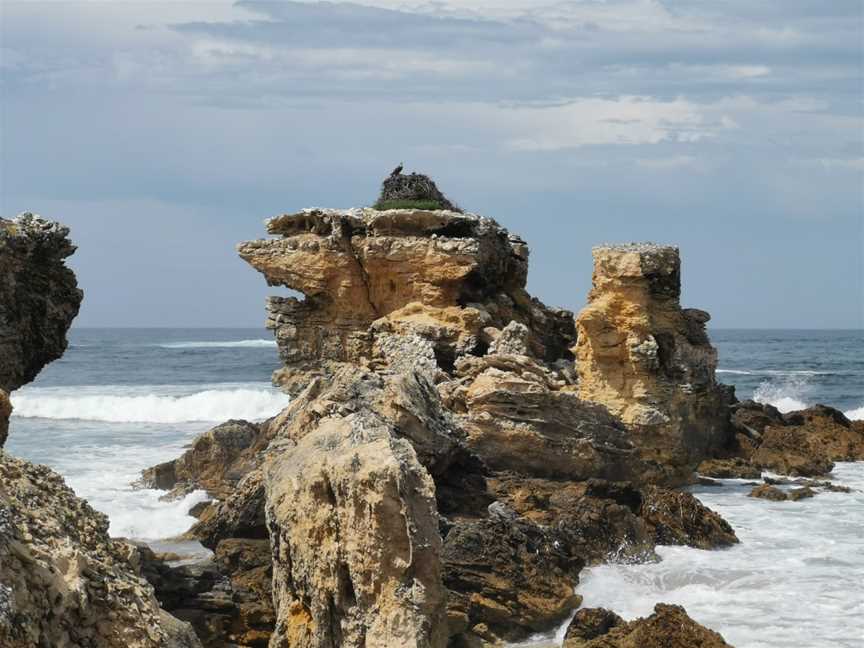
[
  {"x": 439, "y": 478},
  {"x": 648, "y": 361}
]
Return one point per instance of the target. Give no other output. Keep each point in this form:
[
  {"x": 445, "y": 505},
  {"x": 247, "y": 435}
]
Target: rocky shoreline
[{"x": 455, "y": 453}]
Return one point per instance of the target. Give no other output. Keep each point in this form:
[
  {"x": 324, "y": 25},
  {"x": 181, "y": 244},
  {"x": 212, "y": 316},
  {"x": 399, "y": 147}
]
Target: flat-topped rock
[
  {"x": 648, "y": 360},
  {"x": 448, "y": 277}
]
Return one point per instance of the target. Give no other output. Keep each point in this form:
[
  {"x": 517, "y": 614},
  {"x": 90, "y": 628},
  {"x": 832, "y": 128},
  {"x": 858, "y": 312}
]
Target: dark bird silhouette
[{"x": 397, "y": 170}]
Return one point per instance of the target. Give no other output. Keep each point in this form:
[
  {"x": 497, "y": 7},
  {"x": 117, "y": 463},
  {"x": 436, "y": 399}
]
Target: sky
[{"x": 164, "y": 133}]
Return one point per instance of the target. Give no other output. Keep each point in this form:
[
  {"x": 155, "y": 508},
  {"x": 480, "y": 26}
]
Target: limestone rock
[
  {"x": 353, "y": 525},
  {"x": 441, "y": 275},
  {"x": 734, "y": 468},
  {"x": 64, "y": 581},
  {"x": 790, "y": 451},
  {"x": 768, "y": 492},
  {"x": 217, "y": 460},
  {"x": 39, "y": 297},
  {"x": 680, "y": 519},
  {"x": 668, "y": 627},
  {"x": 590, "y": 623},
  {"x": 519, "y": 416},
  {"x": 647, "y": 360},
  {"x": 507, "y": 579}
]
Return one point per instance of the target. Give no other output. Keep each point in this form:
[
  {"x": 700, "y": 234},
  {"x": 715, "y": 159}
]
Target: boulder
[
  {"x": 768, "y": 492},
  {"x": 648, "y": 361},
  {"x": 668, "y": 627},
  {"x": 790, "y": 450}
]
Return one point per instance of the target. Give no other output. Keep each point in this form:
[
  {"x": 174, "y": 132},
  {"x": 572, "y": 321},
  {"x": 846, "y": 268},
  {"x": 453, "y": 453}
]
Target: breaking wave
[
  {"x": 856, "y": 414},
  {"x": 787, "y": 396},
  {"x": 149, "y": 405}
]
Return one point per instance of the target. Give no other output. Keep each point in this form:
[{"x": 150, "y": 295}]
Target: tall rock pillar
[{"x": 649, "y": 361}]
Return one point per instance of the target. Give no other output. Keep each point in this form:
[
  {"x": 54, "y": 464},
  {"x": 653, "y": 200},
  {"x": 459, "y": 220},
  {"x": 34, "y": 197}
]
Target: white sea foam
[
  {"x": 787, "y": 396},
  {"x": 150, "y": 404},
  {"x": 229, "y": 344},
  {"x": 778, "y": 372},
  {"x": 856, "y": 414},
  {"x": 795, "y": 579}
]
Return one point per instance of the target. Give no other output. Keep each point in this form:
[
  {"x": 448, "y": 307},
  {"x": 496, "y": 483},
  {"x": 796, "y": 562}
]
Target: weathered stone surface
[
  {"x": 680, "y": 519},
  {"x": 507, "y": 578},
  {"x": 227, "y": 600},
  {"x": 447, "y": 277},
  {"x": 353, "y": 522},
  {"x": 648, "y": 361},
  {"x": 520, "y": 416},
  {"x": 668, "y": 627},
  {"x": 63, "y": 581},
  {"x": 790, "y": 451},
  {"x": 734, "y": 468},
  {"x": 39, "y": 297},
  {"x": 768, "y": 492},
  {"x": 590, "y": 623},
  {"x": 217, "y": 460}
]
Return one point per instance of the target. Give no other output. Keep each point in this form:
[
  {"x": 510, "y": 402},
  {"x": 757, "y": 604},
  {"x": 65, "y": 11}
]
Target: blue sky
[{"x": 164, "y": 133}]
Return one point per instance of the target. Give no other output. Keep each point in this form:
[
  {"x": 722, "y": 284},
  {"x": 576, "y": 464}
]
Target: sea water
[{"x": 121, "y": 400}]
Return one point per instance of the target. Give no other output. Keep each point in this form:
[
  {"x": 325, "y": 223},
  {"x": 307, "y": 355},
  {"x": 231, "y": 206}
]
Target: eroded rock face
[
  {"x": 648, "y": 360},
  {"x": 450, "y": 278},
  {"x": 39, "y": 297},
  {"x": 353, "y": 521},
  {"x": 668, "y": 627},
  {"x": 217, "y": 460},
  {"x": 63, "y": 581}
]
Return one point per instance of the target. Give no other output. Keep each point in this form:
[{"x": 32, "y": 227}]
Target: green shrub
[{"x": 425, "y": 205}]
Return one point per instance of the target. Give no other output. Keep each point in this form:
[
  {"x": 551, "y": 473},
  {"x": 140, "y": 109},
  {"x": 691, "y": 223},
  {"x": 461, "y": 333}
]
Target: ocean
[{"x": 121, "y": 400}]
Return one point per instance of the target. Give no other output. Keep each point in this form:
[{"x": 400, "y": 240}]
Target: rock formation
[
  {"x": 648, "y": 360},
  {"x": 63, "y": 581},
  {"x": 39, "y": 298},
  {"x": 803, "y": 443},
  {"x": 440, "y": 479},
  {"x": 668, "y": 627}
]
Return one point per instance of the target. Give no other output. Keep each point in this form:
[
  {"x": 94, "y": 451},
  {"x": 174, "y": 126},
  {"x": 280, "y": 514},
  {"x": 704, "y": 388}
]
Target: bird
[{"x": 397, "y": 170}]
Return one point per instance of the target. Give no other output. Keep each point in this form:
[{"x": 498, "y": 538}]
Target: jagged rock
[
  {"x": 830, "y": 431},
  {"x": 518, "y": 416},
  {"x": 227, "y": 599},
  {"x": 734, "y": 468},
  {"x": 217, "y": 460},
  {"x": 39, "y": 298},
  {"x": 590, "y": 623},
  {"x": 668, "y": 627},
  {"x": 768, "y": 492},
  {"x": 507, "y": 579},
  {"x": 790, "y": 451},
  {"x": 443, "y": 276},
  {"x": 5, "y": 413},
  {"x": 648, "y": 361},
  {"x": 797, "y": 494},
  {"x": 353, "y": 521},
  {"x": 680, "y": 519},
  {"x": 64, "y": 581}
]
